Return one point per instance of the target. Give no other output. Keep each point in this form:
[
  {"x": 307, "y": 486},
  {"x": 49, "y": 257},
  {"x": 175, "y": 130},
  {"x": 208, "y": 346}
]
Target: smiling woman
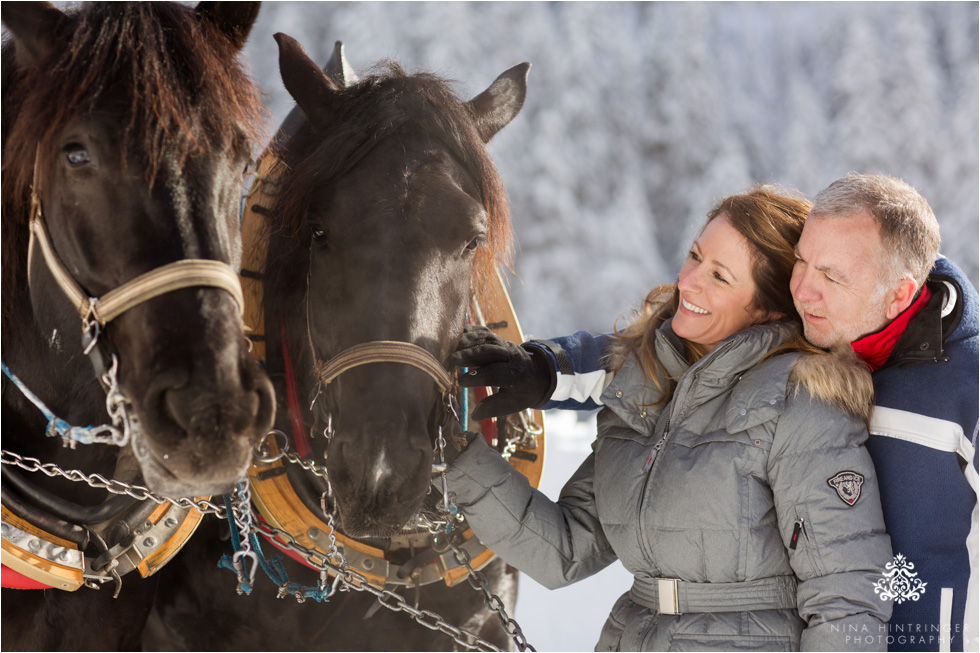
[{"x": 716, "y": 289}]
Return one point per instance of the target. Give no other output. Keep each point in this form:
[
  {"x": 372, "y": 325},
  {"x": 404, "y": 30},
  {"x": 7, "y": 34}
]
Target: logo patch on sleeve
[{"x": 847, "y": 484}]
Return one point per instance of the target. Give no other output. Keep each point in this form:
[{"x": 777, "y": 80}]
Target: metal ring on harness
[{"x": 261, "y": 452}]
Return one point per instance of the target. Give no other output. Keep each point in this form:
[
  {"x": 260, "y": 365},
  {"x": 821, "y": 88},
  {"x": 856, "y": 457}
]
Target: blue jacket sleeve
[{"x": 581, "y": 376}]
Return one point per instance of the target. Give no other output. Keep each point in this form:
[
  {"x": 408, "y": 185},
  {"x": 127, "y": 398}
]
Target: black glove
[{"x": 525, "y": 373}]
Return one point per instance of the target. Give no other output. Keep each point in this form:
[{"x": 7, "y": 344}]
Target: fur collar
[{"x": 838, "y": 377}]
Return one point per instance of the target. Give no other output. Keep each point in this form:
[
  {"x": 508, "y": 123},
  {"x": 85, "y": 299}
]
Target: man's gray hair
[{"x": 908, "y": 228}]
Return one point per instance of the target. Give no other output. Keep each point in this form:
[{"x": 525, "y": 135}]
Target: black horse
[
  {"x": 390, "y": 216},
  {"x": 126, "y": 131}
]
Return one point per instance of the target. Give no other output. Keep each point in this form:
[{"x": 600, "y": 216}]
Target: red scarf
[{"x": 875, "y": 348}]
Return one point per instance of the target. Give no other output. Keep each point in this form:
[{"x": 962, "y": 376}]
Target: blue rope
[
  {"x": 56, "y": 425},
  {"x": 272, "y": 567},
  {"x": 464, "y": 404}
]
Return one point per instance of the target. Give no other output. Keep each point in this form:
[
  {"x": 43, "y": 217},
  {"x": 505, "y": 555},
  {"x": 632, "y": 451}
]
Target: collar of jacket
[
  {"x": 631, "y": 395},
  {"x": 925, "y": 336},
  {"x": 877, "y": 347}
]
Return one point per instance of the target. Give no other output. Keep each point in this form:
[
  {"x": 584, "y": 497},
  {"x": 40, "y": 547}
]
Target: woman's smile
[{"x": 691, "y": 307}]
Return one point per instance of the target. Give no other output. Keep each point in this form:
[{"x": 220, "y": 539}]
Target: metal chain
[
  {"x": 241, "y": 506},
  {"x": 479, "y": 582},
  {"x": 115, "y": 405},
  {"x": 308, "y": 465},
  {"x": 388, "y": 598},
  {"x": 30, "y": 464}
]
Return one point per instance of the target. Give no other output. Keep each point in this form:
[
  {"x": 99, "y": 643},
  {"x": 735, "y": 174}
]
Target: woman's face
[{"x": 716, "y": 286}]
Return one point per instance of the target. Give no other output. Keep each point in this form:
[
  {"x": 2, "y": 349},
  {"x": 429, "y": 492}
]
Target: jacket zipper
[
  {"x": 657, "y": 447},
  {"x": 680, "y": 396},
  {"x": 798, "y": 527}
]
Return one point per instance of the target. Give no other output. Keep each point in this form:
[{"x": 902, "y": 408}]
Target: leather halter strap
[
  {"x": 385, "y": 351},
  {"x": 184, "y": 273}
]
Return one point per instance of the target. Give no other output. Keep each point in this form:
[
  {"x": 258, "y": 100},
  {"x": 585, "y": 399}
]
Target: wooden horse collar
[{"x": 34, "y": 558}]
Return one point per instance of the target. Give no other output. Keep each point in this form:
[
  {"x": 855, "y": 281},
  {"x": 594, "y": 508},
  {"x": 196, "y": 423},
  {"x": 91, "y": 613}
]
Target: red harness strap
[
  {"x": 300, "y": 439},
  {"x": 15, "y": 580}
]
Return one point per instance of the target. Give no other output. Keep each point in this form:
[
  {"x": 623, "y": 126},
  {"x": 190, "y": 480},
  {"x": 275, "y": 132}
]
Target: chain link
[
  {"x": 478, "y": 581},
  {"x": 388, "y": 598},
  {"x": 115, "y": 405},
  {"x": 30, "y": 464},
  {"x": 241, "y": 506},
  {"x": 308, "y": 465}
]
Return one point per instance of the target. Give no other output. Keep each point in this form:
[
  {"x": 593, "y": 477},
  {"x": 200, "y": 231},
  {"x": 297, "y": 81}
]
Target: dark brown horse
[
  {"x": 126, "y": 130},
  {"x": 390, "y": 217}
]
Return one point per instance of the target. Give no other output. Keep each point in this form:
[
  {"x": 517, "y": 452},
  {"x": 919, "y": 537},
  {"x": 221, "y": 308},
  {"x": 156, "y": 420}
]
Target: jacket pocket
[
  {"x": 612, "y": 630},
  {"x": 752, "y": 440},
  {"x": 801, "y": 549}
]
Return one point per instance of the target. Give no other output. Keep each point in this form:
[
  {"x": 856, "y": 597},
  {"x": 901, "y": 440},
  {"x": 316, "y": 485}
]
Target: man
[{"x": 868, "y": 274}]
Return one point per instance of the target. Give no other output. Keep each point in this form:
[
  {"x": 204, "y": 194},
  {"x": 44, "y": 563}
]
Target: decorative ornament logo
[
  {"x": 847, "y": 484},
  {"x": 899, "y": 582}
]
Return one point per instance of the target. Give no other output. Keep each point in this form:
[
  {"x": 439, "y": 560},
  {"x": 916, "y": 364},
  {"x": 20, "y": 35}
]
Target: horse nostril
[
  {"x": 254, "y": 380},
  {"x": 193, "y": 411}
]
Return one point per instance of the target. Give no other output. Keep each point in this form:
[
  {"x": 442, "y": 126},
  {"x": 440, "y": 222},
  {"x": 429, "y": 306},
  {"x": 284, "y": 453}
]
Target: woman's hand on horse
[{"x": 524, "y": 376}]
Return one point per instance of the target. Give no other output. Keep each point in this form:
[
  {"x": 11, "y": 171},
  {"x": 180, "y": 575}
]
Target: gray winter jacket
[{"x": 751, "y": 493}]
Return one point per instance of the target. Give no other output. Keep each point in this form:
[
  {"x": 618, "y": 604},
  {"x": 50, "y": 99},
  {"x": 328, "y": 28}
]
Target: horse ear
[
  {"x": 338, "y": 68},
  {"x": 497, "y": 106},
  {"x": 34, "y": 26},
  {"x": 339, "y": 71},
  {"x": 233, "y": 19},
  {"x": 313, "y": 90}
]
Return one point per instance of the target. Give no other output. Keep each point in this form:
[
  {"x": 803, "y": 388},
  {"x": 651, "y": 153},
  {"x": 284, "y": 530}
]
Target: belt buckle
[{"x": 667, "y": 595}]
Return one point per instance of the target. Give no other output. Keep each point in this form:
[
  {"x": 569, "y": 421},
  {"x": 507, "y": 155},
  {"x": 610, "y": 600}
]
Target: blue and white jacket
[{"x": 924, "y": 447}]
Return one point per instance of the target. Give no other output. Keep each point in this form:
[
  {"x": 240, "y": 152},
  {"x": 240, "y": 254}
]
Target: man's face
[{"x": 835, "y": 282}]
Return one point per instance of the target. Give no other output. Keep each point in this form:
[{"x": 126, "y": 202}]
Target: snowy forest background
[{"x": 640, "y": 116}]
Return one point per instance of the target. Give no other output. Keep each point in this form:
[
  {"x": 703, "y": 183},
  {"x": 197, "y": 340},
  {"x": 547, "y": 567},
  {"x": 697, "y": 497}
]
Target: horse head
[
  {"x": 397, "y": 213},
  {"x": 133, "y": 123}
]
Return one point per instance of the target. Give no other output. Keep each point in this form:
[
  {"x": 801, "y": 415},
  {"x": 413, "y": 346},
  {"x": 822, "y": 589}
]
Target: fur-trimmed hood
[{"x": 838, "y": 377}]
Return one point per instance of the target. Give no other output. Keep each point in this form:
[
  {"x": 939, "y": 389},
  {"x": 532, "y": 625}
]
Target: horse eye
[
  {"x": 76, "y": 154},
  {"x": 318, "y": 233},
  {"x": 475, "y": 243}
]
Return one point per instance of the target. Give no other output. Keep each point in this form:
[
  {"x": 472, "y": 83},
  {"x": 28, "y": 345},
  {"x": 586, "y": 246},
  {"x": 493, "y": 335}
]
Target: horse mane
[
  {"x": 186, "y": 93},
  {"x": 379, "y": 106}
]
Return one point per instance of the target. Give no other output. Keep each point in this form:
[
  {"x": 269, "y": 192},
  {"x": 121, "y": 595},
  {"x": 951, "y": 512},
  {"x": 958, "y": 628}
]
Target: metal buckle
[{"x": 667, "y": 596}]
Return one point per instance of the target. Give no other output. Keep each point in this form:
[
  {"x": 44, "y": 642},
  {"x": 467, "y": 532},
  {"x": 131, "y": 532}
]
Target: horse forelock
[
  {"x": 375, "y": 108},
  {"x": 183, "y": 88}
]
